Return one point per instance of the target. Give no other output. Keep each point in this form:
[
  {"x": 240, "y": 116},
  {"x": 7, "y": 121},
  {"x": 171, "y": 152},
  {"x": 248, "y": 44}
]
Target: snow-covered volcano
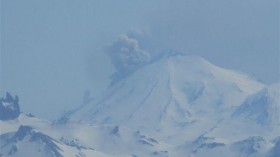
[
  {"x": 176, "y": 105},
  {"x": 175, "y": 91}
]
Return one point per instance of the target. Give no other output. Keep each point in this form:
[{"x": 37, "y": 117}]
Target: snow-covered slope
[
  {"x": 110, "y": 139},
  {"x": 29, "y": 136},
  {"x": 258, "y": 115},
  {"x": 262, "y": 107}
]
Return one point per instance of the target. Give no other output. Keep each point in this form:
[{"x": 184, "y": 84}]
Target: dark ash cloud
[{"x": 127, "y": 55}]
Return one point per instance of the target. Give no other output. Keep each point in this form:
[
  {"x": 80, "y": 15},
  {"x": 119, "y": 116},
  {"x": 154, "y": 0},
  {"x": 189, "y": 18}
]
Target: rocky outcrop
[{"x": 9, "y": 107}]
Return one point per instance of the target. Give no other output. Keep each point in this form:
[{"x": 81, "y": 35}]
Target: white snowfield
[{"x": 175, "y": 106}]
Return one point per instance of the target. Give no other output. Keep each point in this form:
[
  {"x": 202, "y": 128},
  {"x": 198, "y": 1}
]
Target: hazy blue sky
[{"x": 52, "y": 50}]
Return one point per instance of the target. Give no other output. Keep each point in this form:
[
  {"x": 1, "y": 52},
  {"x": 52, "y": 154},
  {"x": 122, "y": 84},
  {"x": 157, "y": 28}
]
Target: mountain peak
[
  {"x": 162, "y": 58},
  {"x": 9, "y": 107}
]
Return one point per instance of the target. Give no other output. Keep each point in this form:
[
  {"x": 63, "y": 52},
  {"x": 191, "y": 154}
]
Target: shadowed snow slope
[{"x": 263, "y": 107}]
